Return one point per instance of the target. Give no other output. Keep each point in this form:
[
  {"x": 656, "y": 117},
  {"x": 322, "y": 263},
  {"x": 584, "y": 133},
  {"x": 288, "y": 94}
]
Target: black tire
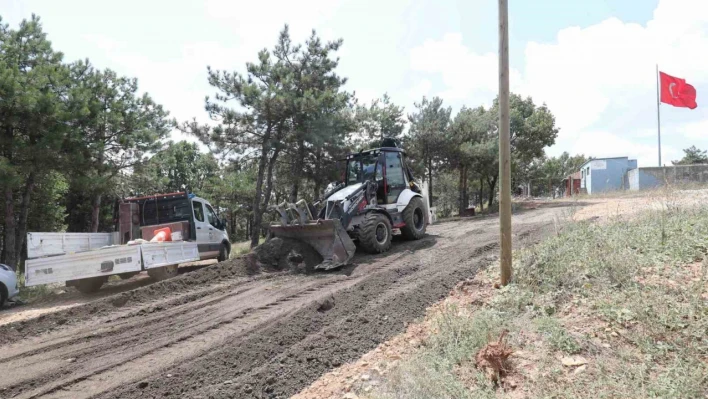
[
  {"x": 3, "y": 294},
  {"x": 163, "y": 273},
  {"x": 415, "y": 220},
  {"x": 375, "y": 233},
  {"x": 89, "y": 285},
  {"x": 126, "y": 276},
  {"x": 223, "y": 253}
]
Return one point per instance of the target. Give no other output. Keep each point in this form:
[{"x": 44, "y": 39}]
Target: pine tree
[
  {"x": 428, "y": 132},
  {"x": 33, "y": 89},
  {"x": 114, "y": 129}
]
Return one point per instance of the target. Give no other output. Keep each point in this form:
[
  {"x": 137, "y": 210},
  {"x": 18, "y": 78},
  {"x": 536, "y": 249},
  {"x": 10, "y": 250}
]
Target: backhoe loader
[{"x": 378, "y": 195}]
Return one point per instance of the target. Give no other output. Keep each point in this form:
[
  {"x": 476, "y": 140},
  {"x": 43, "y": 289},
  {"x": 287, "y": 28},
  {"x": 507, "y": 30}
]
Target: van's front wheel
[{"x": 223, "y": 253}]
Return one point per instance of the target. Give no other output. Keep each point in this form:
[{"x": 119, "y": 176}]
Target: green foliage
[
  {"x": 557, "y": 336},
  {"x": 382, "y": 118},
  {"x": 431, "y": 373},
  {"x": 692, "y": 156},
  {"x": 48, "y": 204},
  {"x": 547, "y": 173},
  {"x": 178, "y": 167}
]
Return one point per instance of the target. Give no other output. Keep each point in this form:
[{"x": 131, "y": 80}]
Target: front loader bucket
[{"x": 327, "y": 237}]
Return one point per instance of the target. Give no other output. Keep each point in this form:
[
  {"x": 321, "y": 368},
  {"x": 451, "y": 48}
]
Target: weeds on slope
[{"x": 606, "y": 310}]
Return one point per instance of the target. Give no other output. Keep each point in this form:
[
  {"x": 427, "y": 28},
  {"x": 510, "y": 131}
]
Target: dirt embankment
[{"x": 233, "y": 330}]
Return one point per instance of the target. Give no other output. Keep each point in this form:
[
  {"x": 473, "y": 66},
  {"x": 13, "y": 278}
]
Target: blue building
[{"x": 606, "y": 174}]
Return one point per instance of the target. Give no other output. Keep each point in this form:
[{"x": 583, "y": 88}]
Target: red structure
[{"x": 572, "y": 184}]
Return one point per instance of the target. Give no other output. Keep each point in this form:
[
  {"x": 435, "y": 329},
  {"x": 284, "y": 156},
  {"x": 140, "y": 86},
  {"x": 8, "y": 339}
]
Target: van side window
[
  {"x": 198, "y": 211},
  {"x": 211, "y": 216}
]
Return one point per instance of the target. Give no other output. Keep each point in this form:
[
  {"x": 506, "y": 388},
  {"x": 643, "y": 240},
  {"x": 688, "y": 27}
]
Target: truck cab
[{"x": 189, "y": 217}]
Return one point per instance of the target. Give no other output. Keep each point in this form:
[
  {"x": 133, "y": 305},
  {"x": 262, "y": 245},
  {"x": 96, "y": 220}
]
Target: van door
[
  {"x": 216, "y": 233},
  {"x": 204, "y": 231}
]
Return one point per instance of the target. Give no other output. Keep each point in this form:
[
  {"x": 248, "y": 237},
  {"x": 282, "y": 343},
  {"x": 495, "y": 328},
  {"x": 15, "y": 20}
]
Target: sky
[{"x": 593, "y": 62}]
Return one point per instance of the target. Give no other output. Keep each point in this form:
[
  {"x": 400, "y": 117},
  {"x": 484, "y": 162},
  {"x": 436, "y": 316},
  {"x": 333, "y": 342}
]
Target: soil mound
[{"x": 279, "y": 254}]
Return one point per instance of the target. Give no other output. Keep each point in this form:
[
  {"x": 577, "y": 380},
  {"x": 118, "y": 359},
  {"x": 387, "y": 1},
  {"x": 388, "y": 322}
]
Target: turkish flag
[{"x": 677, "y": 92}]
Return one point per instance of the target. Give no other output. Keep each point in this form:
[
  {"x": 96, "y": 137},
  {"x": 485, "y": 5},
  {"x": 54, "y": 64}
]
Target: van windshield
[{"x": 165, "y": 211}]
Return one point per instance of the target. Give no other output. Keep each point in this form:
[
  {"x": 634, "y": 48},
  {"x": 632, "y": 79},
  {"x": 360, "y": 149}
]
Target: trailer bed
[{"x": 108, "y": 261}]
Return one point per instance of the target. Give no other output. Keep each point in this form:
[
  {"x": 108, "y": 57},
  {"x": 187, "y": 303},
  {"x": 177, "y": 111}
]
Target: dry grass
[{"x": 600, "y": 310}]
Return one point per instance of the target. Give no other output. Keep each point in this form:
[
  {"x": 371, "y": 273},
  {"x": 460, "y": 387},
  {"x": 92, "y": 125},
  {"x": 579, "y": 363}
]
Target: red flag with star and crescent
[{"x": 677, "y": 92}]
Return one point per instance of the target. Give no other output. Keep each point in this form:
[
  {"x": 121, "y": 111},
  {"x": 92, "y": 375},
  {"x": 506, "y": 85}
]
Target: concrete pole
[
  {"x": 658, "y": 112},
  {"x": 504, "y": 145}
]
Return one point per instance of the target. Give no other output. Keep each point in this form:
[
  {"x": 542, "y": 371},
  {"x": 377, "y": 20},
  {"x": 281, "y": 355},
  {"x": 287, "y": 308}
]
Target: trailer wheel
[
  {"x": 375, "y": 233},
  {"x": 415, "y": 220},
  {"x": 125, "y": 276},
  {"x": 163, "y": 273},
  {"x": 89, "y": 285}
]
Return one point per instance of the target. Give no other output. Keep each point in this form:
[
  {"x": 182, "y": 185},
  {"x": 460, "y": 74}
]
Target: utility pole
[
  {"x": 504, "y": 145},
  {"x": 658, "y": 112}
]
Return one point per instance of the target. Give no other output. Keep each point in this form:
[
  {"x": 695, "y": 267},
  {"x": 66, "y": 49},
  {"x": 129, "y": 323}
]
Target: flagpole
[{"x": 658, "y": 111}]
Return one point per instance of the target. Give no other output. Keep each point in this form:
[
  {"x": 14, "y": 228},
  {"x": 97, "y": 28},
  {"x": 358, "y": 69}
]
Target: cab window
[
  {"x": 211, "y": 216},
  {"x": 198, "y": 211},
  {"x": 394, "y": 176}
]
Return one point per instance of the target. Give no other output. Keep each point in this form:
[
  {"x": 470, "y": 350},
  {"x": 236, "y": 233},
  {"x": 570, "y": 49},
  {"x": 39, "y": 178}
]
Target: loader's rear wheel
[
  {"x": 163, "y": 273},
  {"x": 89, "y": 285},
  {"x": 375, "y": 234},
  {"x": 415, "y": 220}
]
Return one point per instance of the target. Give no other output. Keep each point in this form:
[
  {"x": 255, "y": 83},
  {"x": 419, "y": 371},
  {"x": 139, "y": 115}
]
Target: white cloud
[
  {"x": 599, "y": 81},
  {"x": 466, "y": 75},
  {"x": 419, "y": 90},
  {"x": 695, "y": 130}
]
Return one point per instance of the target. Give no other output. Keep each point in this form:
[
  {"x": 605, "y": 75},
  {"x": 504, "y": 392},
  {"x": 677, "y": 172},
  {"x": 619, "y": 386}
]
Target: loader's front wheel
[
  {"x": 415, "y": 220},
  {"x": 163, "y": 273},
  {"x": 89, "y": 285},
  {"x": 375, "y": 234}
]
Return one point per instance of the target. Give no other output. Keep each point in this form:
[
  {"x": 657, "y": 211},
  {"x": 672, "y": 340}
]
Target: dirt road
[{"x": 219, "y": 332}]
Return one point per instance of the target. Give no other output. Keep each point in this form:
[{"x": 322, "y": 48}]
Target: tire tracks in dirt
[{"x": 259, "y": 337}]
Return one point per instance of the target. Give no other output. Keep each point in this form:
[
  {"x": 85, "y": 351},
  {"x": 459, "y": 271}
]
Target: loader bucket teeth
[
  {"x": 327, "y": 237},
  {"x": 282, "y": 211}
]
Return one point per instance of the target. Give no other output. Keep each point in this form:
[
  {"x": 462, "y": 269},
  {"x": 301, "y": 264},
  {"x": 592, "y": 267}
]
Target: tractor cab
[{"x": 386, "y": 166}]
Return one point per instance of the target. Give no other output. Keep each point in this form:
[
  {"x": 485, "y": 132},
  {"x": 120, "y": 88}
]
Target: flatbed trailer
[{"x": 86, "y": 260}]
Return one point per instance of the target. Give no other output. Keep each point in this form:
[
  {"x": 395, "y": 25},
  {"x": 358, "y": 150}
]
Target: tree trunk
[
  {"x": 95, "y": 212},
  {"x": 481, "y": 194},
  {"x": 466, "y": 191},
  {"x": 9, "y": 255},
  {"x": 465, "y": 194},
  {"x": 317, "y": 181},
  {"x": 461, "y": 191},
  {"x": 430, "y": 182},
  {"x": 22, "y": 222},
  {"x": 257, "y": 214},
  {"x": 492, "y": 186},
  {"x": 299, "y": 164},
  {"x": 269, "y": 179}
]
